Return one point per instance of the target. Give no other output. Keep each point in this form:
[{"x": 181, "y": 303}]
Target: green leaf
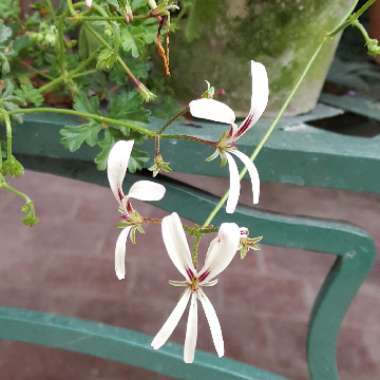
[
  {"x": 106, "y": 59},
  {"x": 83, "y": 103},
  {"x": 30, "y": 216},
  {"x": 29, "y": 94},
  {"x": 138, "y": 160},
  {"x": 9, "y": 9},
  {"x": 74, "y": 136},
  {"x": 5, "y": 33},
  {"x": 105, "y": 146},
  {"x": 135, "y": 38},
  {"x": 128, "y": 105},
  {"x": 12, "y": 167}
]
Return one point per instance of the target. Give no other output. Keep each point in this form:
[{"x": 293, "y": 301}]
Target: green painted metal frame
[
  {"x": 297, "y": 152},
  {"x": 120, "y": 345},
  {"x": 40, "y": 150}
]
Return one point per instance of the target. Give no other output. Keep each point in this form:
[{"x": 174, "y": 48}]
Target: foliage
[
  {"x": 50, "y": 45},
  {"x": 95, "y": 61}
]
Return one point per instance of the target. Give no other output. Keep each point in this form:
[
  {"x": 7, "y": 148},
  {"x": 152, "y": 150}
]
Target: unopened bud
[
  {"x": 160, "y": 165},
  {"x": 373, "y": 47},
  {"x": 144, "y": 92},
  {"x": 210, "y": 92},
  {"x": 128, "y": 14},
  {"x": 12, "y": 167},
  {"x": 152, "y": 4}
]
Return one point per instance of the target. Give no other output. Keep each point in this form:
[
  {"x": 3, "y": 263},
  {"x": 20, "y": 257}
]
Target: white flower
[
  {"x": 88, "y": 3},
  {"x": 117, "y": 165},
  {"x": 219, "y": 255},
  {"x": 214, "y": 110}
]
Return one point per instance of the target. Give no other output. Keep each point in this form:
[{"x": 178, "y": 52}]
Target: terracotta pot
[{"x": 220, "y": 37}]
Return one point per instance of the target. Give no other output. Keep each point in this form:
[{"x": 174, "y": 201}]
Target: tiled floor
[{"x": 65, "y": 265}]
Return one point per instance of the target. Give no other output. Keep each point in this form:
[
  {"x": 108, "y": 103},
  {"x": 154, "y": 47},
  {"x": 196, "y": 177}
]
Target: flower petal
[
  {"x": 176, "y": 244},
  {"x": 221, "y": 251},
  {"x": 234, "y": 192},
  {"x": 211, "y": 109},
  {"x": 117, "y": 165},
  {"x": 191, "y": 331},
  {"x": 259, "y": 97},
  {"x": 146, "y": 191},
  {"x": 120, "y": 251},
  {"x": 253, "y": 173},
  {"x": 213, "y": 322},
  {"x": 88, "y": 3},
  {"x": 171, "y": 323}
]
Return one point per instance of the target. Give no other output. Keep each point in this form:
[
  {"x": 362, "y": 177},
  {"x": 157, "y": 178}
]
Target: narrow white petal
[
  {"x": 88, "y": 3},
  {"x": 213, "y": 322},
  {"x": 260, "y": 89},
  {"x": 120, "y": 252},
  {"x": 211, "y": 109},
  {"x": 117, "y": 165},
  {"x": 221, "y": 251},
  {"x": 259, "y": 97},
  {"x": 234, "y": 192},
  {"x": 191, "y": 331},
  {"x": 171, "y": 323},
  {"x": 176, "y": 244},
  {"x": 253, "y": 173},
  {"x": 146, "y": 191}
]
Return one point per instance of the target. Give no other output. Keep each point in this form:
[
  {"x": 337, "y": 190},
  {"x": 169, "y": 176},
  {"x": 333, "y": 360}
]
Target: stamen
[
  {"x": 129, "y": 207},
  {"x": 203, "y": 276},
  {"x": 190, "y": 273}
]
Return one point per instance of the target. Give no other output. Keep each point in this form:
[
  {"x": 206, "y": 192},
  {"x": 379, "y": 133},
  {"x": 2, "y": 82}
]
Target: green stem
[
  {"x": 352, "y": 17},
  {"x": 195, "y": 249},
  {"x": 172, "y": 120},
  {"x": 1, "y": 165},
  {"x": 84, "y": 73},
  {"x": 70, "y": 74},
  {"x": 110, "y": 18},
  {"x": 19, "y": 193},
  {"x": 270, "y": 130},
  {"x": 61, "y": 45},
  {"x": 110, "y": 121},
  {"x": 356, "y": 23},
  {"x": 87, "y": 115},
  {"x": 8, "y": 128},
  {"x": 363, "y": 8},
  {"x": 71, "y": 8},
  {"x": 189, "y": 138},
  {"x": 51, "y": 8},
  {"x": 140, "y": 87}
]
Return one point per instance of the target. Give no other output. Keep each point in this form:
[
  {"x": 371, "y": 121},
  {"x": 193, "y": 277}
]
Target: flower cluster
[
  {"x": 210, "y": 109},
  {"x": 230, "y": 237}
]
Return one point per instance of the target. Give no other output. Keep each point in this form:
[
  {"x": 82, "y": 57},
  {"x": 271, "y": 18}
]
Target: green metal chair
[{"x": 297, "y": 153}]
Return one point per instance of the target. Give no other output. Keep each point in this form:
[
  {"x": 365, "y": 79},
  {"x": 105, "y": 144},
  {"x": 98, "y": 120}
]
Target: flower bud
[
  {"x": 152, "y": 4},
  {"x": 12, "y": 167},
  {"x": 128, "y": 13}
]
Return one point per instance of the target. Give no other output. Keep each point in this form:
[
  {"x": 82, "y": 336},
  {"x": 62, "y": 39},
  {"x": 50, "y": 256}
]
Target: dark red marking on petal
[
  {"x": 203, "y": 276},
  {"x": 247, "y": 123},
  {"x": 190, "y": 273},
  {"x": 129, "y": 207},
  {"x": 120, "y": 194}
]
